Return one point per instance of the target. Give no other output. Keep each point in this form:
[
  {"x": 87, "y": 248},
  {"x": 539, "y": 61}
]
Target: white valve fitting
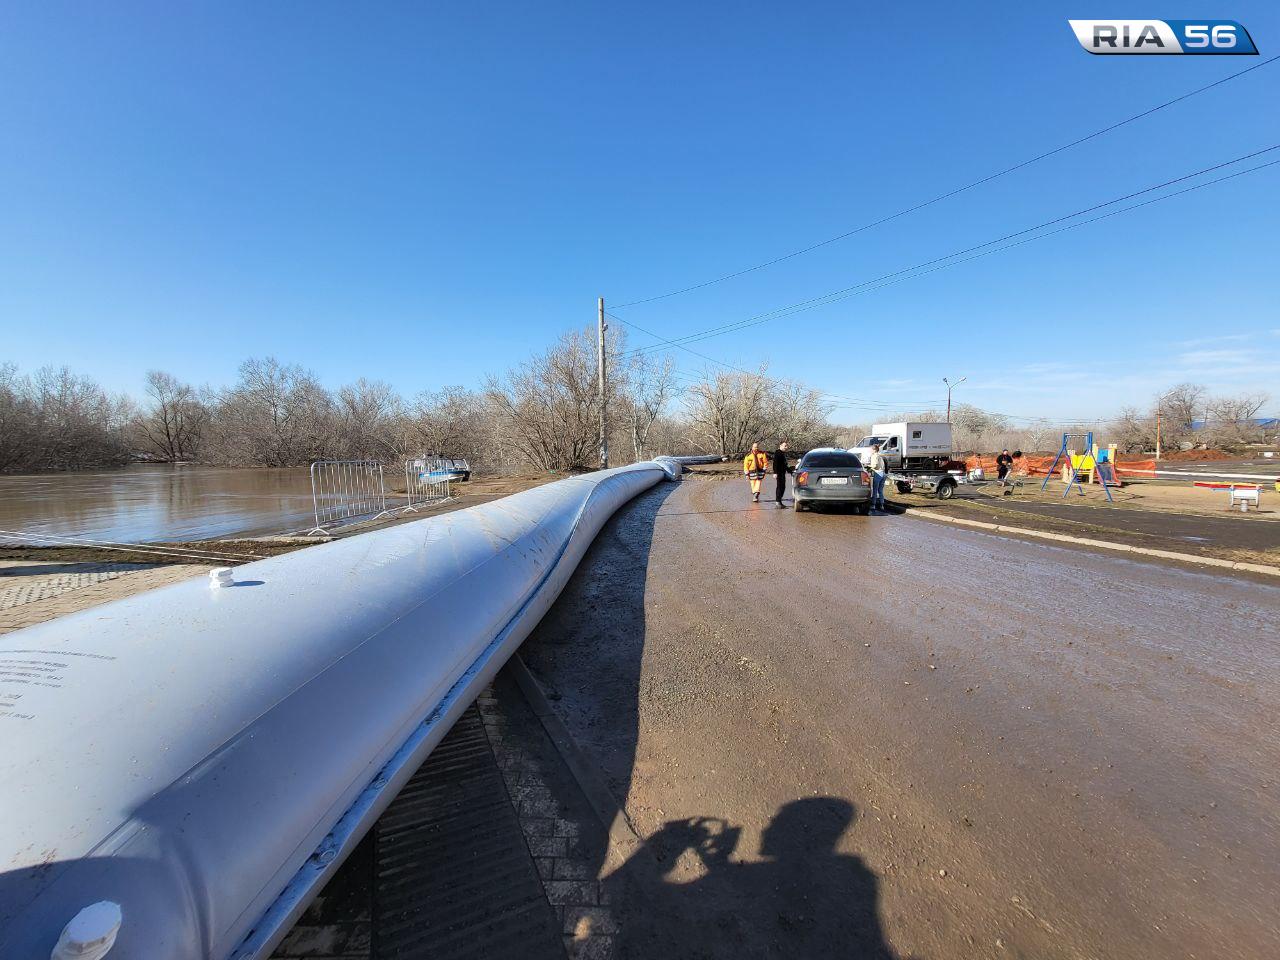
[
  {"x": 221, "y": 577},
  {"x": 90, "y": 934}
]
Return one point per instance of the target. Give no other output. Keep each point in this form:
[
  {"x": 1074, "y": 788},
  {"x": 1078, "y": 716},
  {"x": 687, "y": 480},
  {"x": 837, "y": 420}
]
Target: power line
[
  {"x": 939, "y": 263},
  {"x": 749, "y": 373},
  {"x": 904, "y": 406},
  {"x": 862, "y": 403},
  {"x": 952, "y": 193}
]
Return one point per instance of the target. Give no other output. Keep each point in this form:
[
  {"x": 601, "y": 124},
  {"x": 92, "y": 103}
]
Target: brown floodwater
[{"x": 149, "y": 502}]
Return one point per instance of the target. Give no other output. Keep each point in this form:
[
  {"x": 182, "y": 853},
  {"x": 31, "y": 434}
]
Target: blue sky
[{"x": 427, "y": 193}]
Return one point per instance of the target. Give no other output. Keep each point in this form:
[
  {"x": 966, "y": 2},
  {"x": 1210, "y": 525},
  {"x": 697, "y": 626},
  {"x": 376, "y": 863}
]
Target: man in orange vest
[{"x": 755, "y": 465}]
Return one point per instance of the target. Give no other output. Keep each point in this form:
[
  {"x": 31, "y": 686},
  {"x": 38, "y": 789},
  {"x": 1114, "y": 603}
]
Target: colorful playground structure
[{"x": 1092, "y": 466}]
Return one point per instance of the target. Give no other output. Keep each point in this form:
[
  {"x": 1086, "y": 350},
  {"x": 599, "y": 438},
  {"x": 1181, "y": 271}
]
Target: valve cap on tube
[{"x": 90, "y": 934}]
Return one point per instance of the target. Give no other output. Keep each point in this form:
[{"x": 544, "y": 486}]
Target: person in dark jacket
[
  {"x": 781, "y": 467},
  {"x": 1004, "y": 463}
]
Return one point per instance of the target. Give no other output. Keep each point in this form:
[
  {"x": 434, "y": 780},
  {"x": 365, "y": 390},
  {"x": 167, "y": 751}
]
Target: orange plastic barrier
[
  {"x": 1038, "y": 466},
  {"x": 1032, "y": 466},
  {"x": 1137, "y": 466}
]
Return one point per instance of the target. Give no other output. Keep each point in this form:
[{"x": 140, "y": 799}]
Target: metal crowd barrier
[
  {"x": 345, "y": 490},
  {"x": 426, "y": 481}
]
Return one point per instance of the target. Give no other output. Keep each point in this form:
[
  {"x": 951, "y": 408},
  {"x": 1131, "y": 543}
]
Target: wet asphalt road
[{"x": 999, "y": 748}]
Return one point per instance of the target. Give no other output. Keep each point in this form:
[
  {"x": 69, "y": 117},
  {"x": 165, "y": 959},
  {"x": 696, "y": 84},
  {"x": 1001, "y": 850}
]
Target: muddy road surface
[{"x": 845, "y": 736}]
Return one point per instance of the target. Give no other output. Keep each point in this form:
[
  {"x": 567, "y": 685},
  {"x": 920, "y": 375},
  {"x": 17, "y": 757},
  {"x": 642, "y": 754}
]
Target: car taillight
[
  {"x": 802, "y": 478},
  {"x": 866, "y": 478}
]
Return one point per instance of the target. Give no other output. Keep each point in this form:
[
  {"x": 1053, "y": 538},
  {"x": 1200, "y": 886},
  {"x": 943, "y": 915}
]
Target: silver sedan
[{"x": 831, "y": 475}]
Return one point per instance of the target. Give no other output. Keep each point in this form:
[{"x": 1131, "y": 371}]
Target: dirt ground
[
  {"x": 1170, "y": 496},
  {"x": 882, "y": 737}
]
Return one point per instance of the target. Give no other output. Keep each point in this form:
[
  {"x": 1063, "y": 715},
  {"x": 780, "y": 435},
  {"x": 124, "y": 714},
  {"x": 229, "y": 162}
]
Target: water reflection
[{"x": 147, "y": 502}]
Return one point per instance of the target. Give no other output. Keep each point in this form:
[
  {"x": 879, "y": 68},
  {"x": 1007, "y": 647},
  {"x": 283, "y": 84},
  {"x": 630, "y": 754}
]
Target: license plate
[{"x": 832, "y": 481}]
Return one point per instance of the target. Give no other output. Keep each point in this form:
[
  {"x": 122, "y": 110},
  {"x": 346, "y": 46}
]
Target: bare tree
[
  {"x": 798, "y": 414},
  {"x": 450, "y": 422},
  {"x": 174, "y": 423},
  {"x": 1133, "y": 432},
  {"x": 1180, "y": 408},
  {"x": 651, "y": 387},
  {"x": 367, "y": 417},
  {"x": 275, "y": 416},
  {"x": 78, "y": 425},
  {"x": 548, "y": 407},
  {"x": 1233, "y": 421},
  {"x": 19, "y": 418},
  {"x": 849, "y": 434},
  {"x": 973, "y": 427},
  {"x": 726, "y": 411}
]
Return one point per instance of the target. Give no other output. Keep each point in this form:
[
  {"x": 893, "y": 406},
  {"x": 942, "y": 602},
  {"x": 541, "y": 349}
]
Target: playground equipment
[
  {"x": 1097, "y": 466},
  {"x": 1238, "y": 494}
]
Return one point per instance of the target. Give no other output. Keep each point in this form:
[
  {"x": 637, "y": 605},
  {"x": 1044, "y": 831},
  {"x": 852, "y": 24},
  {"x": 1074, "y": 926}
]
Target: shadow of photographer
[{"x": 801, "y": 898}]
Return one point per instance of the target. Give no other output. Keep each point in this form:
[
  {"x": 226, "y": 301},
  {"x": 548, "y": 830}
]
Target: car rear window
[{"x": 832, "y": 460}]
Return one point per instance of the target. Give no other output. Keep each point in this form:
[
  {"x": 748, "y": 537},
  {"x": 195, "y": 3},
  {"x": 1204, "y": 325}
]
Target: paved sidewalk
[
  {"x": 568, "y": 842},
  {"x": 490, "y": 851},
  {"x": 32, "y": 592},
  {"x": 23, "y": 582}
]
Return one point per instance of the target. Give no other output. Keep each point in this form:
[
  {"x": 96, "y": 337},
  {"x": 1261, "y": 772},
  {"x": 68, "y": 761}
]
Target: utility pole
[
  {"x": 951, "y": 386},
  {"x": 604, "y": 418},
  {"x": 1159, "y": 411}
]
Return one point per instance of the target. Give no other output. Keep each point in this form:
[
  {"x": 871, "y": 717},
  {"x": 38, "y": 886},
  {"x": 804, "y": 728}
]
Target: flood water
[{"x": 148, "y": 502}]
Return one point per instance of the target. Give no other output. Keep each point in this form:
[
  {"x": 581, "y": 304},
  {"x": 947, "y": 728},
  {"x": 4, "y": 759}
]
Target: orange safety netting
[{"x": 1036, "y": 465}]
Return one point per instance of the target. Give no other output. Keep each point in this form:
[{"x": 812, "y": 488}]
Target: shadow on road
[
  {"x": 688, "y": 890},
  {"x": 800, "y": 899}
]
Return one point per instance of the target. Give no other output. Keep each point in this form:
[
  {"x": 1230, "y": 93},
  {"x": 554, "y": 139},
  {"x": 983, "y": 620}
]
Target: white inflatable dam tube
[{"x": 205, "y": 756}]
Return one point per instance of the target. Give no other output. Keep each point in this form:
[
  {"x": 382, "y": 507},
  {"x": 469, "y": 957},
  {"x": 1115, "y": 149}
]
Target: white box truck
[{"x": 916, "y": 455}]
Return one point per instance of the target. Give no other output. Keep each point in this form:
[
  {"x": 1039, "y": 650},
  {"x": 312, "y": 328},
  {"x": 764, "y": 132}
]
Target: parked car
[{"x": 832, "y": 475}]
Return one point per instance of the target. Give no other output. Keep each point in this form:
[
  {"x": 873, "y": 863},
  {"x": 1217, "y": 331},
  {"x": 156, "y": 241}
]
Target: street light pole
[{"x": 951, "y": 386}]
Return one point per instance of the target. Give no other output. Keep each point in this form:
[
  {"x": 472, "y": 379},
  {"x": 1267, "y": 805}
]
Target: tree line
[{"x": 543, "y": 415}]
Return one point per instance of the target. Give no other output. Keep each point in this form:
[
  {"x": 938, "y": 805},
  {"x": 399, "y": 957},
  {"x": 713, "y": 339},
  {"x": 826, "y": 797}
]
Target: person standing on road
[
  {"x": 780, "y": 470},
  {"x": 755, "y": 465},
  {"x": 1004, "y": 463},
  {"x": 875, "y": 466}
]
